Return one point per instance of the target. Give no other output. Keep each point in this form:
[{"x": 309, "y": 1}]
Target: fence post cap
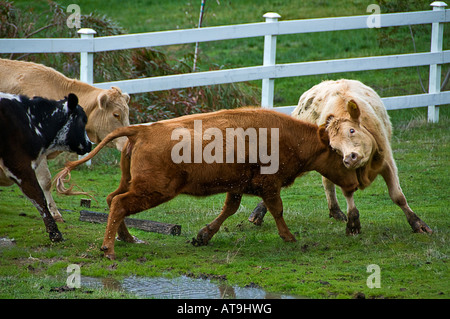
[
  {"x": 438, "y": 4},
  {"x": 271, "y": 15},
  {"x": 86, "y": 31}
]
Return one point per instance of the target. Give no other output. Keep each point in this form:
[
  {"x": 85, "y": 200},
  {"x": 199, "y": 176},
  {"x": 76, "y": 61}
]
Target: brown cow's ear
[
  {"x": 102, "y": 99},
  {"x": 353, "y": 109},
  {"x": 323, "y": 135}
]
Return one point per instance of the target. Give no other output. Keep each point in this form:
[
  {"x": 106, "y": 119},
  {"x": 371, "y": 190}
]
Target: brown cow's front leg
[
  {"x": 390, "y": 176},
  {"x": 231, "y": 205},
  {"x": 275, "y": 206}
]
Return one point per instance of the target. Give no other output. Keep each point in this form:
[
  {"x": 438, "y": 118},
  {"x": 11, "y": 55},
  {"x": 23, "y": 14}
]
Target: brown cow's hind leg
[
  {"x": 123, "y": 205},
  {"x": 275, "y": 206},
  {"x": 231, "y": 205}
]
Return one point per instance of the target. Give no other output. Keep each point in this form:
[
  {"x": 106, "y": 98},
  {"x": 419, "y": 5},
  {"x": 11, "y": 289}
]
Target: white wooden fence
[{"x": 87, "y": 45}]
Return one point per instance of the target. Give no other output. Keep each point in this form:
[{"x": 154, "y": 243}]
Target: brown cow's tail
[{"x": 64, "y": 176}]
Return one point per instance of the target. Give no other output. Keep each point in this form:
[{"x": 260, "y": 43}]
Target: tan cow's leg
[
  {"x": 231, "y": 205},
  {"x": 353, "y": 223},
  {"x": 390, "y": 176},
  {"x": 333, "y": 205},
  {"x": 275, "y": 206},
  {"x": 45, "y": 181}
]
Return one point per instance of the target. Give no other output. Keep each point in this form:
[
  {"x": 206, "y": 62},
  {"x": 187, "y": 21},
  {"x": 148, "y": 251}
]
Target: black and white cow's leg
[
  {"x": 390, "y": 176},
  {"x": 333, "y": 205},
  {"x": 45, "y": 180},
  {"x": 25, "y": 178}
]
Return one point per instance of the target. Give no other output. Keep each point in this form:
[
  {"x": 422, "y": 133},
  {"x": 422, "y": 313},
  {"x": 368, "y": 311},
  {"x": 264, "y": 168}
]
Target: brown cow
[
  {"x": 360, "y": 130},
  {"x": 154, "y": 171},
  {"x": 106, "y": 109}
]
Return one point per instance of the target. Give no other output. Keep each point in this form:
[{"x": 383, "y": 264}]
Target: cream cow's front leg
[{"x": 45, "y": 181}]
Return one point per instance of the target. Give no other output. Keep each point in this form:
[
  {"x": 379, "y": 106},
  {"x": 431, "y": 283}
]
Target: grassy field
[{"x": 324, "y": 262}]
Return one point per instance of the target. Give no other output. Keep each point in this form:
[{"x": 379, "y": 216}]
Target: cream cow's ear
[
  {"x": 329, "y": 119},
  {"x": 353, "y": 109},
  {"x": 102, "y": 99}
]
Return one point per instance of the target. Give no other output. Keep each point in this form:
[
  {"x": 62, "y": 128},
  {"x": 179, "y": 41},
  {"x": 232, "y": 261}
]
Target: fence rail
[{"x": 87, "y": 45}]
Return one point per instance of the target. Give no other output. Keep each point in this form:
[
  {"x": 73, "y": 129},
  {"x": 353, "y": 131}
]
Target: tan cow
[
  {"x": 106, "y": 109},
  {"x": 360, "y": 130}
]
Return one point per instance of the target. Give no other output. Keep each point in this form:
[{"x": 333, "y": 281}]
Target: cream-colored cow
[
  {"x": 106, "y": 109},
  {"x": 360, "y": 130}
]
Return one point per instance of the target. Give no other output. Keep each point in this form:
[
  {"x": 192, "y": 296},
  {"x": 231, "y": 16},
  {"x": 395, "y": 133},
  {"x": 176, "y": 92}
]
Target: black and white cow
[{"x": 30, "y": 129}]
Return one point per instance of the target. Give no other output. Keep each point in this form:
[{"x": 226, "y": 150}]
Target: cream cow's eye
[{"x": 352, "y": 131}]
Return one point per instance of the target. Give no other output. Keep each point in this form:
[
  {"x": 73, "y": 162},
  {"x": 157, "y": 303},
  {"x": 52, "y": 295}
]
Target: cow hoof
[
  {"x": 256, "y": 220},
  {"x": 203, "y": 238},
  {"x": 338, "y": 215},
  {"x": 257, "y": 216},
  {"x": 197, "y": 242},
  {"x": 353, "y": 229},
  {"x": 110, "y": 256},
  {"x": 420, "y": 227},
  {"x": 289, "y": 239},
  {"x": 56, "y": 236}
]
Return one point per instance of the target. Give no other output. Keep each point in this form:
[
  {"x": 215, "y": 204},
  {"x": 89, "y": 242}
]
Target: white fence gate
[{"x": 87, "y": 45}]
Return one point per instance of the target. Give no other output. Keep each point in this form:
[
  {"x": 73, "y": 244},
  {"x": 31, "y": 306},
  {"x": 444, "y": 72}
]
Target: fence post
[
  {"x": 270, "y": 47},
  {"x": 87, "y": 58},
  {"x": 434, "y": 86},
  {"x": 86, "y": 65}
]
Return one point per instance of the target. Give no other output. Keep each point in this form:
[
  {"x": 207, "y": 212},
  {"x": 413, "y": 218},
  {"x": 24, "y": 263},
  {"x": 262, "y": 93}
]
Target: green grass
[{"x": 323, "y": 263}]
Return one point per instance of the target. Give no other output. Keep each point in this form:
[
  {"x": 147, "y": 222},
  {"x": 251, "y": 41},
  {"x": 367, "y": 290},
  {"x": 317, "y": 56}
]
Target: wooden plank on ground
[{"x": 147, "y": 225}]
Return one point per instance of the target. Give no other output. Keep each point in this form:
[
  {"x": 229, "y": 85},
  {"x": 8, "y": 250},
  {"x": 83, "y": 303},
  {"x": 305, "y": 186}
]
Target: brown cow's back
[{"x": 245, "y": 177}]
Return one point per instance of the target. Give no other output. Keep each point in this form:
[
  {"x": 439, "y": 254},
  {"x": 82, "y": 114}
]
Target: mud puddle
[{"x": 182, "y": 287}]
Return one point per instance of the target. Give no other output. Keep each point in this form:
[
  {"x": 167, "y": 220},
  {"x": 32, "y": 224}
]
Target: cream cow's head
[
  {"x": 111, "y": 112},
  {"x": 349, "y": 138}
]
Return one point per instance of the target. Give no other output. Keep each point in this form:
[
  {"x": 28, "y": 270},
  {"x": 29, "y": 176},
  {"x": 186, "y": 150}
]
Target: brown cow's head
[
  {"x": 351, "y": 139},
  {"x": 110, "y": 113}
]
